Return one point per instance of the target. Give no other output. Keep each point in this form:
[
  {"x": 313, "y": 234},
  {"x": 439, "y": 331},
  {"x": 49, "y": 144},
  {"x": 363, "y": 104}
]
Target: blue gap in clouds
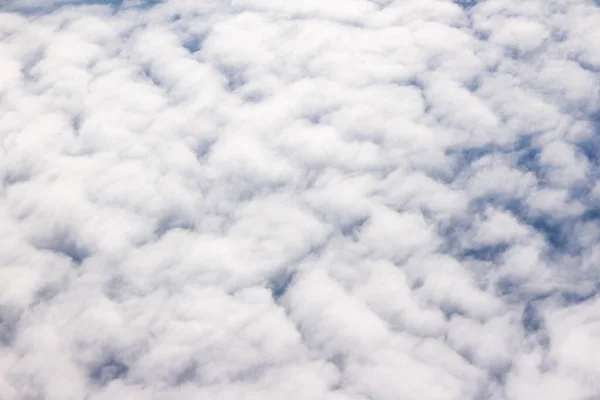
[
  {"x": 591, "y": 214},
  {"x": 523, "y": 149},
  {"x": 119, "y": 3},
  {"x": 101, "y": 2},
  {"x": 533, "y": 323},
  {"x": 193, "y": 44},
  {"x": 53, "y": 5},
  {"x": 531, "y": 319},
  {"x": 572, "y": 294},
  {"x": 280, "y": 283},
  {"x": 555, "y": 231},
  {"x": 465, "y": 4},
  {"x": 527, "y": 155},
  {"x": 108, "y": 370},
  {"x": 463, "y": 158},
  {"x": 573, "y": 297},
  {"x": 591, "y": 149},
  {"x": 591, "y": 146},
  {"x": 485, "y": 253},
  {"x": 516, "y": 292},
  {"x": 452, "y": 231}
]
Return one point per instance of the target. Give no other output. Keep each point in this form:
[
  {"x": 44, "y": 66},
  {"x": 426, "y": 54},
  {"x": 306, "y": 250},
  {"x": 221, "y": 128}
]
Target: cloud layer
[{"x": 257, "y": 199}]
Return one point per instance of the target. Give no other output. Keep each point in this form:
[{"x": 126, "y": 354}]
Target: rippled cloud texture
[{"x": 260, "y": 199}]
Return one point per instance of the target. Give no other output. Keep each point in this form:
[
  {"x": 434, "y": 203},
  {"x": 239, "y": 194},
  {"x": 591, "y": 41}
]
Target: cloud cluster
[{"x": 256, "y": 199}]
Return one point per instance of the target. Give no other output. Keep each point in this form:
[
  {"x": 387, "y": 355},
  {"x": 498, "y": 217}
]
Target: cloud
[{"x": 315, "y": 200}]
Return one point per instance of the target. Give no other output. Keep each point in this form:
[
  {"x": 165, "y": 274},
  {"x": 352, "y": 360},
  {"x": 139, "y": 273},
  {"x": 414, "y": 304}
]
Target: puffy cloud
[{"x": 319, "y": 200}]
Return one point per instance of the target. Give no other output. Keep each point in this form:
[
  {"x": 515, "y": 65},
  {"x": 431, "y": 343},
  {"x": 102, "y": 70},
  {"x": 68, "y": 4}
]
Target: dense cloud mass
[{"x": 332, "y": 200}]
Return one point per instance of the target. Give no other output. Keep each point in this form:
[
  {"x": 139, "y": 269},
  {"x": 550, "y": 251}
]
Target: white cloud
[{"x": 313, "y": 200}]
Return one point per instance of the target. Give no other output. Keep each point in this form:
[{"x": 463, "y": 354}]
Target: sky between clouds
[{"x": 259, "y": 199}]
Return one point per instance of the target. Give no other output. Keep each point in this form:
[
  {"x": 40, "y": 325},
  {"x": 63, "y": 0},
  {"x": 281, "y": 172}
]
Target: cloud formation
[{"x": 336, "y": 200}]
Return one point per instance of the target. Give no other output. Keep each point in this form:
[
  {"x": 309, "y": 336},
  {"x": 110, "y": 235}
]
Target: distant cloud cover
[{"x": 328, "y": 200}]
